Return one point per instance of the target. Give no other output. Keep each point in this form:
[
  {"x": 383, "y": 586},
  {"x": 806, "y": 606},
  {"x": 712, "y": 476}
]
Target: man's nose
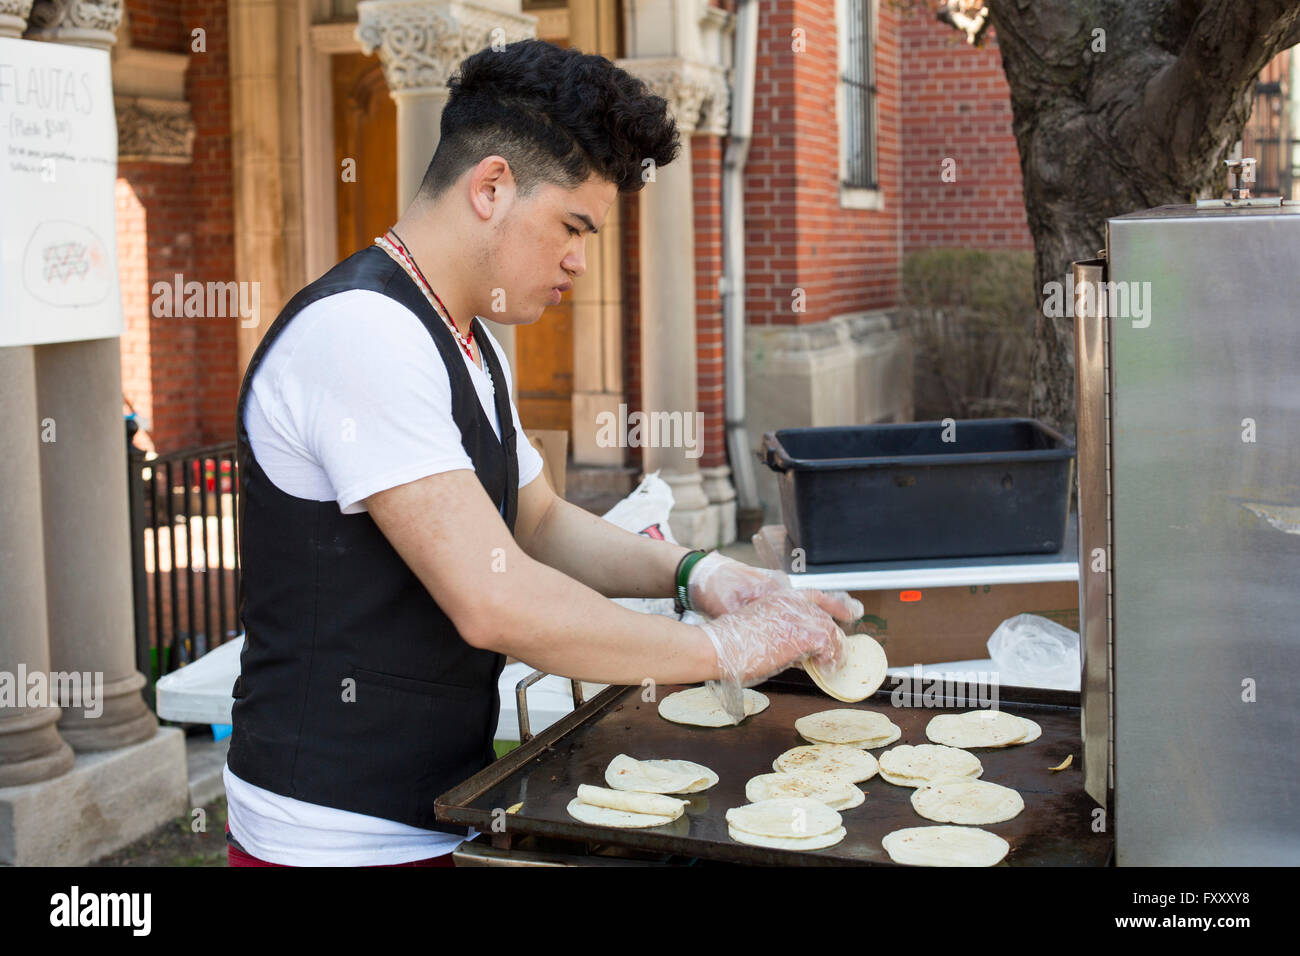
[{"x": 575, "y": 263}]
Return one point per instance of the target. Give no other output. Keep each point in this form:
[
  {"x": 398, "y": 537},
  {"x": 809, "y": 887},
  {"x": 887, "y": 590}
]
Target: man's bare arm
[
  {"x": 601, "y": 555},
  {"x": 448, "y": 532}
]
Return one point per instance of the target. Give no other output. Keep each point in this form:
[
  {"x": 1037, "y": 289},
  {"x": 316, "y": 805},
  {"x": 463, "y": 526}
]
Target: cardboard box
[
  {"x": 934, "y": 625},
  {"x": 553, "y": 446},
  {"x": 955, "y": 624}
]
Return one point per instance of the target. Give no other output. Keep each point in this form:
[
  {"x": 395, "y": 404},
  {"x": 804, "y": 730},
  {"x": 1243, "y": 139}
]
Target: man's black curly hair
[{"x": 555, "y": 115}]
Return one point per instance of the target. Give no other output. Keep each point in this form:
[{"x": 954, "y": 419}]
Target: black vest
[{"x": 356, "y": 691}]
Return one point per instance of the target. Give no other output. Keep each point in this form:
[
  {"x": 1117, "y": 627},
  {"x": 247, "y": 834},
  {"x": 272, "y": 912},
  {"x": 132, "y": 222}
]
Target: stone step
[{"x": 597, "y": 488}]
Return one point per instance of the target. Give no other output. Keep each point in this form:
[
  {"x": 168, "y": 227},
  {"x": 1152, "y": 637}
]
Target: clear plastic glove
[
  {"x": 767, "y": 635},
  {"x": 719, "y": 585}
]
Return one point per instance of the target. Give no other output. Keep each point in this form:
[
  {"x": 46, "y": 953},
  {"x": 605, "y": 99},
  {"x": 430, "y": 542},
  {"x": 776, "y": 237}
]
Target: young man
[{"x": 397, "y": 538}]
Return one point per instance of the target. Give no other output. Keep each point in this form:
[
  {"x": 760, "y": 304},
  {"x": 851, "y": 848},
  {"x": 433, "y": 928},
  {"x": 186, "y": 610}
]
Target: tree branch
[{"x": 1228, "y": 45}]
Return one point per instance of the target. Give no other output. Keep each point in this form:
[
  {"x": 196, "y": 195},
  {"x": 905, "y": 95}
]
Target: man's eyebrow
[{"x": 586, "y": 221}]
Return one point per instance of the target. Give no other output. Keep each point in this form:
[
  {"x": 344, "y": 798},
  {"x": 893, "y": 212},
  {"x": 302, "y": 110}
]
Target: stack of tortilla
[
  {"x": 966, "y": 801},
  {"x": 849, "y": 763},
  {"x": 623, "y": 808},
  {"x": 982, "y": 728},
  {"x": 636, "y": 797},
  {"x": 863, "y": 729},
  {"x": 794, "y": 823},
  {"x": 908, "y": 766},
  {"x": 945, "y": 846},
  {"x": 836, "y": 792}
]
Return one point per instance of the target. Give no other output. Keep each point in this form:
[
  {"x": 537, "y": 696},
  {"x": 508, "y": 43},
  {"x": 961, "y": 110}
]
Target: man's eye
[{"x": 572, "y": 231}]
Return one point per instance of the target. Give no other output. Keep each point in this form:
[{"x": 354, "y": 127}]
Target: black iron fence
[{"x": 184, "y": 555}]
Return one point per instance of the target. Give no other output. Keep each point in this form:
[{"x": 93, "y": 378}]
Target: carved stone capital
[
  {"x": 13, "y": 17},
  {"x": 421, "y": 43},
  {"x": 698, "y": 94},
  {"x": 83, "y": 22},
  {"x": 154, "y": 131}
]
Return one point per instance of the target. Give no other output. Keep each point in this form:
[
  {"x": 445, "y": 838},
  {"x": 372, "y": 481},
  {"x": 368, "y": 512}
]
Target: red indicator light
[{"x": 909, "y": 596}]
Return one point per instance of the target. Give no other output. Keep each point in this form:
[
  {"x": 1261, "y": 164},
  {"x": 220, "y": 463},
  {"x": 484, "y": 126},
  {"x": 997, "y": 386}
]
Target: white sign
[{"x": 58, "y": 167}]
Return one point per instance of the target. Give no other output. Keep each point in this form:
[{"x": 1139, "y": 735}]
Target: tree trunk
[{"x": 1140, "y": 115}]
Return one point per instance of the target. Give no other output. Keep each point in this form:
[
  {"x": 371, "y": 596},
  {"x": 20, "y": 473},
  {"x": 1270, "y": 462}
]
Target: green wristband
[{"x": 688, "y": 561}]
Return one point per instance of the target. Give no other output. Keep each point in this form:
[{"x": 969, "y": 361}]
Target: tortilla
[
  {"x": 836, "y": 792},
  {"x": 861, "y": 673},
  {"x": 852, "y": 728},
  {"x": 1034, "y": 733},
  {"x": 785, "y": 818},
  {"x": 872, "y": 744},
  {"x": 909, "y": 766},
  {"x": 658, "y": 776},
  {"x": 697, "y": 706},
  {"x": 631, "y": 802},
  {"x": 788, "y": 843},
  {"x": 977, "y": 728},
  {"x": 966, "y": 801},
  {"x": 945, "y": 846},
  {"x": 605, "y": 817},
  {"x": 850, "y": 763}
]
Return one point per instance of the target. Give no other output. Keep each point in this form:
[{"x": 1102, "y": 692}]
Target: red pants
[{"x": 238, "y": 857}]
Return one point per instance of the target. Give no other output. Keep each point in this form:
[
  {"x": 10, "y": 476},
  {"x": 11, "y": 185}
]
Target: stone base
[
  {"x": 722, "y": 501},
  {"x": 104, "y": 802},
  {"x": 850, "y": 370}
]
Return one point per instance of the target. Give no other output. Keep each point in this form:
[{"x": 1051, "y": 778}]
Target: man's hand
[
  {"x": 765, "y": 637},
  {"x": 719, "y": 585}
]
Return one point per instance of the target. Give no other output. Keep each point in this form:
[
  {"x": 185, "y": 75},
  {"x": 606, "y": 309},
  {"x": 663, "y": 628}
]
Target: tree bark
[{"x": 1146, "y": 122}]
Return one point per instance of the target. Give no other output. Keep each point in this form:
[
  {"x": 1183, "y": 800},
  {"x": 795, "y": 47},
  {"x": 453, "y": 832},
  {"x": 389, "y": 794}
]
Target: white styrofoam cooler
[{"x": 199, "y": 693}]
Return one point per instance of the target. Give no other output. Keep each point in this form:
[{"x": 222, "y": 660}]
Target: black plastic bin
[{"x": 891, "y": 492}]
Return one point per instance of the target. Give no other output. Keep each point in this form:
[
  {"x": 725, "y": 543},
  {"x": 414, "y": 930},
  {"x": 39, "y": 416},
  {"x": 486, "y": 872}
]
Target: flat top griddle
[{"x": 1056, "y": 828}]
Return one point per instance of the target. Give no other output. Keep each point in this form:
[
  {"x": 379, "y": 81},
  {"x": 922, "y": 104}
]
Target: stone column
[
  {"x": 421, "y": 43},
  {"x": 13, "y": 17},
  {"x": 84, "y": 489},
  {"x": 598, "y": 386},
  {"x": 87, "y": 539},
  {"x": 30, "y": 746},
  {"x": 667, "y": 250}
]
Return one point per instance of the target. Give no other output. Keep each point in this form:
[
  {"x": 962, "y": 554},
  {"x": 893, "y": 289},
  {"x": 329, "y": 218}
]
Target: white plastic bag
[
  {"x": 645, "y": 511},
  {"x": 1032, "y": 651}
]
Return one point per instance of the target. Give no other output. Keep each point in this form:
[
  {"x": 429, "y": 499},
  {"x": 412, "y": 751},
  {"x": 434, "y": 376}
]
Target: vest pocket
[{"x": 415, "y": 686}]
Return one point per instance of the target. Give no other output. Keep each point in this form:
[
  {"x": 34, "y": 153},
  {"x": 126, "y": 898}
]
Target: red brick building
[{"x": 203, "y": 196}]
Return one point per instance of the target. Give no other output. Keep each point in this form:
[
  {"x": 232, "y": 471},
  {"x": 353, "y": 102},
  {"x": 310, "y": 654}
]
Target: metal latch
[{"x": 1241, "y": 177}]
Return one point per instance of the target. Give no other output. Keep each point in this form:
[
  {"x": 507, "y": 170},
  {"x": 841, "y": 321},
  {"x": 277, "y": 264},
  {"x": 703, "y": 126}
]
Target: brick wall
[
  {"x": 630, "y": 216},
  {"x": 157, "y": 24},
  {"x": 956, "y": 105},
  {"x": 158, "y": 351},
  {"x": 797, "y": 234},
  {"x": 212, "y": 215},
  {"x": 706, "y": 162},
  {"x": 181, "y": 372}
]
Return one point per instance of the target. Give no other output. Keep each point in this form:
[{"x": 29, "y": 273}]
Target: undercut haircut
[{"x": 555, "y": 115}]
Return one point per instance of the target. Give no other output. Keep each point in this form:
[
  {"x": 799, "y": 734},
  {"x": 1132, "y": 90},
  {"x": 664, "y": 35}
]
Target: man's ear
[{"x": 491, "y": 186}]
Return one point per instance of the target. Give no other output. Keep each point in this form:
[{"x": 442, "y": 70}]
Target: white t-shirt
[{"x": 353, "y": 398}]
